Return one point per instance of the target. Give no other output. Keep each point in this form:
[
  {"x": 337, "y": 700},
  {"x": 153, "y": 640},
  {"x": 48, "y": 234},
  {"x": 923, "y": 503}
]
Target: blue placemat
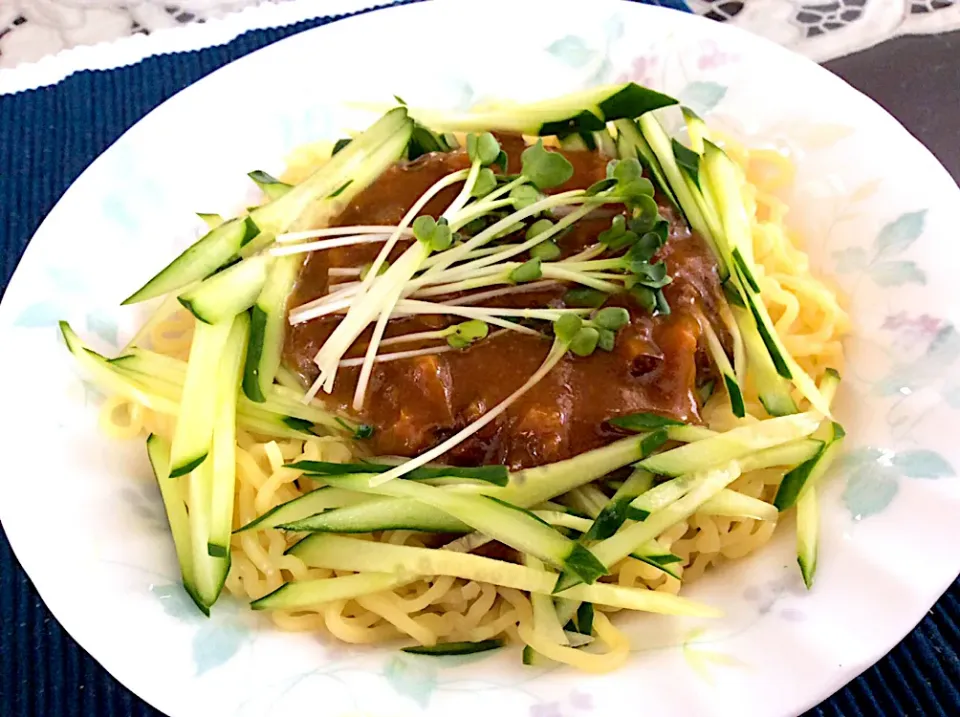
[{"x": 47, "y": 138}]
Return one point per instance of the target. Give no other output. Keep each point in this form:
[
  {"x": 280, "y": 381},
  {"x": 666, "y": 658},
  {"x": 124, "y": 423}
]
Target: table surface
[
  {"x": 819, "y": 29},
  {"x": 915, "y": 78}
]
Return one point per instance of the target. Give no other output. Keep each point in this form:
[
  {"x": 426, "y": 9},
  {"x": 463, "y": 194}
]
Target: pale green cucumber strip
[
  {"x": 510, "y": 525},
  {"x": 612, "y": 515},
  {"x": 772, "y": 389},
  {"x": 545, "y": 621},
  {"x": 348, "y": 175},
  {"x": 630, "y": 143},
  {"x": 806, "y": 475},
  {"x": 528, "y": 487},
  {"x": 689, "y": 434},
  {"x": 380, "y": 514},
  {"x": 659, "y": 142},
  {"x": 268, "y": 327},
  {"x": 193, "y": 434},
  {"x": 153, "y": 366},
  {"x": 171, "y": 491},
  {"x": 616, "y": 548},
  {"x": 308, "y": 504},
  {"x": 251, "y": 419},
  {"x": 722, "y": 362},
  {"x": 208, "y": 254},
  {"x": 731, "y": 504},
  {"x": 340, "y": 553},
  {"x": 535, "y": 485},
  {"x": 224, "y": 448},
  {"x": 585, "y": 499},
  {"x": 696, "y": 129},
  {"x": 210, "y": 571},
  {"x": 310, "y": 593},
  {"x": 733, "y": 444},
  {"x": 808, "y": 528},
  {"x": 283, "y": 214},
  {"x": 661, "y": 496},
  {"x": 227, "y": 293},
  {"x": 787, "y": 454},
  {"x": 721, "y": 175},
  {"x": 558, "y": 116},
  {"x": 211, "y": 220},
  {"x": 109, "y": 379},
  {"x": 272, "y": 187}
]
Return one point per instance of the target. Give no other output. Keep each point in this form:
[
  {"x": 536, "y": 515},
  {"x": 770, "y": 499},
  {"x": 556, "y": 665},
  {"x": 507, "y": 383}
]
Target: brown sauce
[{"x": 414, "y": 404}]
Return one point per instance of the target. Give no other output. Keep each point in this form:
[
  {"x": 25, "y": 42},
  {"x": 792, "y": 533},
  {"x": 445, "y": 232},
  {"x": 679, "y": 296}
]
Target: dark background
[{"x": 53, "y": 133}]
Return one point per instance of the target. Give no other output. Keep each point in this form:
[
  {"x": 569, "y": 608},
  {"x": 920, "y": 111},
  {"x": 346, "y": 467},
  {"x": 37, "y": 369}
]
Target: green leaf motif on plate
[
  {"x": 923, "y": 463},
  {"x": 873, "y": 476},
  {"x": 572, "y": 51},
  {"x": 850, "y": 260},
  {"x": 898, "y": 235},
  {"x": 104, "y": 326},
  {"x": 39, "y": 315},
  {"x": 897, "y": 273},
  {"x": 869, "y": 490},
  {"x": 702, "y": 97},
  {"x": 215, "y": 643},
  {"x": 175, "y": 602},
  {"x": 927, "y": 369},
  {"x": 413, "y": 677}
]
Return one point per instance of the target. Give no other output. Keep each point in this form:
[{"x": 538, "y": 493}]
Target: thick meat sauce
[{"x": 414, "y": 404}]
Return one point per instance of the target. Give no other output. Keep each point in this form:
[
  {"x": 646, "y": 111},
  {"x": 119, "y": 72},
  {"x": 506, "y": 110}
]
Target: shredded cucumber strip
[
  {"x": 336, "y": 552},
  {"x": 224, "y": 476},
  {"x": 193, "y": 434}
]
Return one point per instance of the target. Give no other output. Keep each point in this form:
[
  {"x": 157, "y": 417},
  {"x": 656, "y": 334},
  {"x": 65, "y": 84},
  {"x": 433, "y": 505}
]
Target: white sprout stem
[
  {"x": 617, "y": 263},
  {"x": 381, "y": 326},
  {"x": 470, "y": 268},
  {"x": 500, "y": 277},
  {"x": 328, "y": 244},
  {"x": 553, "y": 272},
  {"x": 337, "y": 271},
  {"x": 485, "y": 251},
  {"x": 587, "y": 254},
  {"x": 331, "y": 307},
  {"x": 557, "y": 352},
  {"x": 407, "y": 220},
  {"x": 463, "y": 311},
  {"x": 412, "y": 307},
  {"x": 333, "y": 232},
  {"x": 505, "y": 189},
  {"x": 488, "y": 234},
  {"x": 413, "y": 353},
  {"x": 397, "y": 356},
  {"x": 457, "y": 205},
  {"x": 472, "y": 211},
  {"x": 362, "y": 310},
  {"x": 371, "y": 354},
  {"x": 419, "y": 336},
  {"x": 497, "y": 293},
  {"x": 344, "y": 290},
  {"x": 321, "y": 307}
]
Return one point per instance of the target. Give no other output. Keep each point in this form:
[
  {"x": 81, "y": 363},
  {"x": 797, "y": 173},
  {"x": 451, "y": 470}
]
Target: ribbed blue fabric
[{"x": 47, "y": 138}]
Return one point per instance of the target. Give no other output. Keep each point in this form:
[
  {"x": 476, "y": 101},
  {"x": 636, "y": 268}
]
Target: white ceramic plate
[{"x": 880, "y": 216}]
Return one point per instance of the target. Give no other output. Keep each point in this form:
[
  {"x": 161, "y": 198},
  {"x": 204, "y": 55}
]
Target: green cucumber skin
[
  {"x": 251, "y": 372},
  {"x": 216, "y": 248},
  {"x": 445, "y": 649},
  {"x": 188, "y": 467}
]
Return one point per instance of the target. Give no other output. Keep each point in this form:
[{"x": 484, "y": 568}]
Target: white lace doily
[{"x": 33, "y": 29}]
